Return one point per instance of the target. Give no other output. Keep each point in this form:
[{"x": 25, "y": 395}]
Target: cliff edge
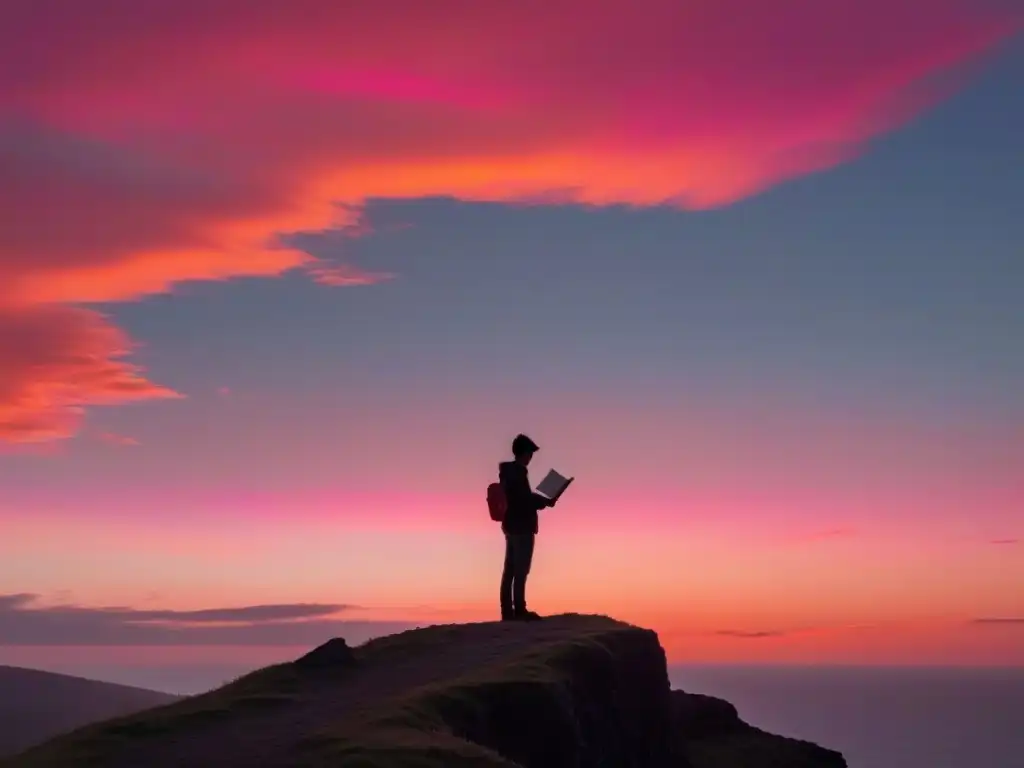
[{"x": 571, "y": 690}]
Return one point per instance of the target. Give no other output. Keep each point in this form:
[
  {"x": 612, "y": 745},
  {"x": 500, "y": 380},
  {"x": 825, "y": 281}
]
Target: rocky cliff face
[{"x": 583, "y": 691}]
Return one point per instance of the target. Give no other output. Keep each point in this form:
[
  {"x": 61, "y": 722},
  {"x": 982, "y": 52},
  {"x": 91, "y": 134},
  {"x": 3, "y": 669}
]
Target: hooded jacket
[{"x": 523, "y": 503}]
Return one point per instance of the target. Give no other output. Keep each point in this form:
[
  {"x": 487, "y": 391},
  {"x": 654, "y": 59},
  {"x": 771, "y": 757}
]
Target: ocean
[{"x": 880, "y": 717}]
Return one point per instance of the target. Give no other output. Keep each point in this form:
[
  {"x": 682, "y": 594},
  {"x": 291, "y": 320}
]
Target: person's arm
[{"x": 519, "y": 493}]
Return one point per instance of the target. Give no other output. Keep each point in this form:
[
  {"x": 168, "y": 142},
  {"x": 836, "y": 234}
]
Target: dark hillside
[
  {"x": 36, "y": 705},
  {"x": 567, "y": 691}
]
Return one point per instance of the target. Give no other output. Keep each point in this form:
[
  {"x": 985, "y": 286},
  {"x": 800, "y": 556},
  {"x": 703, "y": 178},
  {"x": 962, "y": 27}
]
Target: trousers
[{"x": 518, "y": 559}]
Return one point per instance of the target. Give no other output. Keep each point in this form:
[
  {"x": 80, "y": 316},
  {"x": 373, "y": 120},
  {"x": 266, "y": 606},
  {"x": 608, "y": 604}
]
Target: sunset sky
[{"x": 280, "y": 281}]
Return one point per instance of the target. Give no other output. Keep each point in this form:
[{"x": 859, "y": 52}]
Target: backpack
[{"x": 497, "y": 502}]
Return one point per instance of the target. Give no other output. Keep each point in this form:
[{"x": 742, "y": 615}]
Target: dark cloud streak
[
  {"x": 755, "y": 635},
  {"x": 999, "y": 621},
  {"x": 24, "y": 622}
]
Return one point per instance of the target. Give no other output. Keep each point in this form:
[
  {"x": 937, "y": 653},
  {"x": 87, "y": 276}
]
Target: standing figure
[{"x": 520, "y": 528}]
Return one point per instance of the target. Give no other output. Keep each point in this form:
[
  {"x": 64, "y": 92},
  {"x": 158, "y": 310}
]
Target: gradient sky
[{"x": 280, "y": 281}]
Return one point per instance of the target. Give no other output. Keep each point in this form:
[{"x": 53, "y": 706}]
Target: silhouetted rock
[
  {"x": 335, "y": 653},
  {"x": 709, "y": 733},
  {"x": 695, "y": 715},
  {"x": 579, "y": 691}
]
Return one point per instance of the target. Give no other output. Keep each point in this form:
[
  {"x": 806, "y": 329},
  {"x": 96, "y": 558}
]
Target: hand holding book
[{"x": 554, "y": 485}]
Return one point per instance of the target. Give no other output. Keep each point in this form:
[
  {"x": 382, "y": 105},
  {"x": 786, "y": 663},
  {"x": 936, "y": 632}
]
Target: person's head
[{"x": 523, "y": 449}]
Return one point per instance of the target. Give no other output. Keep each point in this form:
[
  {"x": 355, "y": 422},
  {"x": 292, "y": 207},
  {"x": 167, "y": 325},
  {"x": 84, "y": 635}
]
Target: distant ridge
[
  {"x": 37, "y": 705},
  {"x": 570, "y": 691}
]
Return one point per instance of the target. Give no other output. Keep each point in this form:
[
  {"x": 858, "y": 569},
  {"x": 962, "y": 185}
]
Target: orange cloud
[
  {"x": 56, "y": 361},
  {"x": 147, "y": 144}
]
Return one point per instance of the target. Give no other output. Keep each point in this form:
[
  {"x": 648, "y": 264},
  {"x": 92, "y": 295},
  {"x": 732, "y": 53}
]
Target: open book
[{"x": 554, "y": 484}]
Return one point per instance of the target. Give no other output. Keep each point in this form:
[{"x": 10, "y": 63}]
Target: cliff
[{"x": 568, "y": 691}]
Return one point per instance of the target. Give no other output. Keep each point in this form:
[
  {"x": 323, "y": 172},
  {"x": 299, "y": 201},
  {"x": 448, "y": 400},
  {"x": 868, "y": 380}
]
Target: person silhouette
[{"x": 520, "y": 528}]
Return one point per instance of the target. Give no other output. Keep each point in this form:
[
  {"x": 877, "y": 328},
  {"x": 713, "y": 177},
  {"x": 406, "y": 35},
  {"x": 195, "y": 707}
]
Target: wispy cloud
[
  {"x": 112, "y": 438},
  {"x": 999, "y": 621},
  {"x": 762, "y": 634},
  {"x": 343, "y": 275},
  {"x": 1004, "y": 542},
  {"x": 24, "y": 620},
  {"x": 827, "y": 534},
  {"x": 751, "y": 635},
  {"x": 134, "y": 156}
]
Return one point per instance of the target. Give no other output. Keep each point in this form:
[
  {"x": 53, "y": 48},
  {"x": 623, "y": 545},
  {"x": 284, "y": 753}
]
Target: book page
[{"x": 552, "y": 484}]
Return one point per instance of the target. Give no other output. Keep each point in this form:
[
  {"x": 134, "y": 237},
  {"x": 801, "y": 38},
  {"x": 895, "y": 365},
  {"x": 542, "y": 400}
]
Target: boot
[{"x": 525, "y": 615}]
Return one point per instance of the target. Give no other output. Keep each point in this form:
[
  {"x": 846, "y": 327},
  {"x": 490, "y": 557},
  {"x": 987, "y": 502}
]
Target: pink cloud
[
  {"x": 344, "y": 274},
  {"x": 147, "y": 144},
  {"x": 112, "y": 438},
  {"x": 828, "y": 534}
]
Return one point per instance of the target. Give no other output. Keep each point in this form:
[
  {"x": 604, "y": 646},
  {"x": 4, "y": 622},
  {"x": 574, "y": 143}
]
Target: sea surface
[{"x": 880, "y": 717}]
